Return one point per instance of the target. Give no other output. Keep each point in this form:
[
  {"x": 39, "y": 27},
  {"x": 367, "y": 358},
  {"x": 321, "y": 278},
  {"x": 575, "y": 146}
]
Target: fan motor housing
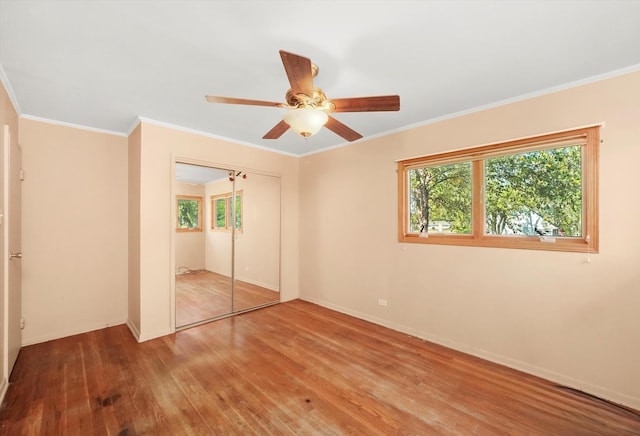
[{"x": 317, "y": 101}]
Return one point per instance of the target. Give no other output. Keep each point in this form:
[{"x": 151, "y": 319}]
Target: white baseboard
[
  {"x": 139, "y": 337},
  {"x": 134, "y": 330},
  {"x": 58, "y": 334},
  {"x": 266, "y": 286},
  {"x": 565, "y": 380},
  {"x": 182, "y": 270}
]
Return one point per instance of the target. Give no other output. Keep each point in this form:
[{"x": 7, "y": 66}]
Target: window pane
[
  {"x": 535, "y": 193},
  {"x": 187, "y": 214},
  {"x": 238, "y": 212},
  {"x": 221, "y": 211},
  {"x": 440, "y": 199}
]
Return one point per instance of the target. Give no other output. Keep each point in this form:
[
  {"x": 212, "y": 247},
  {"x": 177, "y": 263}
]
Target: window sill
[{"x": 575, "y": 245}]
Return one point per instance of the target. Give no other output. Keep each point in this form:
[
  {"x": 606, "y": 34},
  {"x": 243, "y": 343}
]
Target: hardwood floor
[
  {"x": 203, "y": 295},
  {"x": 293, "y": 368}
]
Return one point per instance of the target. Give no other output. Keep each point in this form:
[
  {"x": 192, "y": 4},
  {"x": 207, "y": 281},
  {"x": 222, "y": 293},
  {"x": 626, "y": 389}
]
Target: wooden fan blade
[
  {"x": 298, "y": 69},
  {"x": 342, "y": 129},
  {"x": 231, "y": 100},
  {"x": 367, "y": 104},
  {"x": 277, "y": 131}
]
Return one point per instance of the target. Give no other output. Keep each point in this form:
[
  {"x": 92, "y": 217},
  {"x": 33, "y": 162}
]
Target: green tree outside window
[{"x": 189, "y": 211}]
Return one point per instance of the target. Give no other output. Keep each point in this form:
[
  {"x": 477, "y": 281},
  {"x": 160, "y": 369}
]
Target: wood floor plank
[
  {"x": 202, "y": 295},
  {"x": 290, "y": 369}
]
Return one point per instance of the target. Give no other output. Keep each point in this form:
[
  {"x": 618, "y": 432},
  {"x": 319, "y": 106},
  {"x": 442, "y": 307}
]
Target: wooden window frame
[
  {"x": 228, "y": 197},
  {"x": 587, "y": 243},
  {"x": 200, "y": 212}
]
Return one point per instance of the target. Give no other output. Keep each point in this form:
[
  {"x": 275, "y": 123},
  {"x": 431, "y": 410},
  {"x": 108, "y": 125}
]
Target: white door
[{"x": 11, "y": 228}]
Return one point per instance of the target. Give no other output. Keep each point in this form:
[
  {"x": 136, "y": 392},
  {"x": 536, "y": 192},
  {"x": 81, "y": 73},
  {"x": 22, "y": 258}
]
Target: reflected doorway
[{"x": 227, "y": 242}]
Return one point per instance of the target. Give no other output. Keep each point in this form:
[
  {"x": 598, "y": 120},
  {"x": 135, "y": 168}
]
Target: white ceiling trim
[
  {"x": 208, "y": 135},
  {"x": 523, "y": 97},
  {"x": 611, "y": 74},
  {"x": 74, "y": 126},
  {"x": 7, "y": 86},
  {"x": 102, "y": 64}
]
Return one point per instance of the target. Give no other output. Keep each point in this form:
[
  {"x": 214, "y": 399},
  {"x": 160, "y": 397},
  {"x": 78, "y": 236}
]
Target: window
[
  {"x": 536, "y": 193},
  {"x": 440, "y": 198},
  {"x": 189, "y": 212},
  {"x": 222, "y": 216}
]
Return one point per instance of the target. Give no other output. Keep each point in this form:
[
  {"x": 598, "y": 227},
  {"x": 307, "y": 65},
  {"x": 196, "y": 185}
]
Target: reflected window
[
  {"x": 189, "y": 213},
  {"x": 222, "y": 216}
]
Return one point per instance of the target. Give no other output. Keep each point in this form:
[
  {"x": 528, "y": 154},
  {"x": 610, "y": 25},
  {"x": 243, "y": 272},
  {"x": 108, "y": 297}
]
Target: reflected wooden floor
[
  {"x": 202, "y": 295},
  {"x": 289, "y": 369}
]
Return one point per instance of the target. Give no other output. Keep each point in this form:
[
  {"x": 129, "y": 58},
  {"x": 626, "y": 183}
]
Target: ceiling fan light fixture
[
  {"x": 305, "y": 121},
  {"x": 308, "y": 106}
]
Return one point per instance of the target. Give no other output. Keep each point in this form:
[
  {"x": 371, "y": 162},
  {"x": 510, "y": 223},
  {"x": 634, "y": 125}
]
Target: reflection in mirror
[
  {"x": 257, "y": 241},
  {"x": 227, "y": 242},
  {"x": 203, "y": 271}
]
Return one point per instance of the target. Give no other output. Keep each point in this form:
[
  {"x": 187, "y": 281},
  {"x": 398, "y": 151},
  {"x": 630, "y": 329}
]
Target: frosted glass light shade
[{"x": 305, "y": 121}]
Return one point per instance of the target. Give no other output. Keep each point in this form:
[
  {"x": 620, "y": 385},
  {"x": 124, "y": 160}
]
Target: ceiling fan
[{"x": 309, "y": 108}]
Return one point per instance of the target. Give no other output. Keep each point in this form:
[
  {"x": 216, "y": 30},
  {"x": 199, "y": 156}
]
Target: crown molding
[
  {"x": 7, "y": 86},
  {"x": 592, "y": 79},
  {"x": 540, "y": 93},
  {"x": 206, "y": 134},
  {"x": 74, "y": 126},
  {"x": 528, "y": 96}
]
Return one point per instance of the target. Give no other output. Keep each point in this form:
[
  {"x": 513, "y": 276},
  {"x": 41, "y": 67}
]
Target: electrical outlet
[
  {"x": 21, "y": 323},
  {"x": 382, "y": 302}
]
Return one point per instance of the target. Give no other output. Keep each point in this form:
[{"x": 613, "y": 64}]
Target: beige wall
[
  {"x": 218, "y": 246},
  {"x": 160, "y": 147},
  {"x": 190, "y": 245},
  {"x": 257, "y": 247},
  {"x": 74, "y": 212},
  {"x": 9, "y": 117},
  {"x": 133, "y": 234},
  {"x": 551, "y": 314},
  {"x": 4, "y": 116}
]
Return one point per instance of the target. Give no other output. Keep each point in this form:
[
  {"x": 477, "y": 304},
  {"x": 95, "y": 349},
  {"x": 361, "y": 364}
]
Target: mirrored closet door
[
  {"x": 257, "y": 241},
  {"x": 227, "y": 242}
]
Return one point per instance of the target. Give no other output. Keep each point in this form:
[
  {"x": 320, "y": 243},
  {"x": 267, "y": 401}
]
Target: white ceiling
[
  {"x": 103, "y": 64},
  {"x": 198, "y": 174}
]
